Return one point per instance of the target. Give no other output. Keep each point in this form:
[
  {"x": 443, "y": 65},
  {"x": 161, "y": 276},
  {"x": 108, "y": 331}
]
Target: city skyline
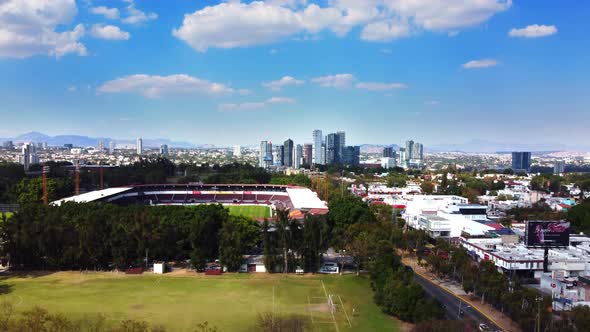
[{"x": 379, "y": 80}]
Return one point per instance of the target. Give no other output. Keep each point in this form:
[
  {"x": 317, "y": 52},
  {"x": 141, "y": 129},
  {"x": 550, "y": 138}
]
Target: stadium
[{"x": 298, "y": 200}]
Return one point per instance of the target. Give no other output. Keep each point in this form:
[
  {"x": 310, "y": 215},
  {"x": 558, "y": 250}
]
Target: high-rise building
[
  {"x": 409, "y": 150},
  {"x": 388, "y": 152},
  {"x": 317, "y": 152},
  {"x": 333, "y": 149},
  {"x": 418, "y": 151},
  {"x": 237, "y": 151},
  {"x": 111, "y": 147},
  {"x": 402, "y": 156},
  {"x": 298, "y": 156},
  {"x": 559, "y": 167},
  {"x": 164, "y": 150},
  {"x": 341, "y": 141},
  {"x": 100, "y": 146},
  {"x": 45, "y": 146},
  {"x": 28, "y": 156},
  {"x": 268, "y": 158},
  {"x": 288, "y": 153},
  {"x": 9, "y": 145},
  {"x": 262, "y": 154},
  {"x": 139, "y": 146},
  {"x": 351, "y": 155},
  {"x": 387, "y": 162},
  {"x": 68, "y": 146},
  {"x": 308, "y": 154},
  {"x": 521, "y": 161}
]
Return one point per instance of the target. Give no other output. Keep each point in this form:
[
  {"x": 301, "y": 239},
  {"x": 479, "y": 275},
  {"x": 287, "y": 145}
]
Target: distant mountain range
[
  {"x": 478, "y": 145},
  {"x": 84, "y": 141}
]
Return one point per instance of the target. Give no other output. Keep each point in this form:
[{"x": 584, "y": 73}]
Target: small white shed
[{"x": 159, "y": 268}]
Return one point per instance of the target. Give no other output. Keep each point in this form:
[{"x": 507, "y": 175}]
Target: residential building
[
  {"x": 351, "y": 155},
  {"x": 409, "y": 150},
  {"x": 341, "y": 141},
  {"x": 298, "y": 156},
  {"x": 559, "y": 167},
  {"x": 111, "y": 147},
  {"x": 9, "y": 145},
  {"x": 28, "y": 156},
  {"x": 288, "y": 153},
  {"x": 333, "y": 149},
  {"x": 521, "y": 161},
  {"x": 308, "y": 154},
  {"x": 388, "y": 152},
  {"x": 317, "y": 152},
  {"x": 139, "y": 146},
  {"x": 388, "y": 162},
  {"x": 164, "y": 150},
  {"x": 237, "y": 151}
]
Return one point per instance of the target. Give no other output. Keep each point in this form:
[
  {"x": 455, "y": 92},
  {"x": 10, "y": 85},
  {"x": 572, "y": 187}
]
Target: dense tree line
[{"x": 103, "y": 236}]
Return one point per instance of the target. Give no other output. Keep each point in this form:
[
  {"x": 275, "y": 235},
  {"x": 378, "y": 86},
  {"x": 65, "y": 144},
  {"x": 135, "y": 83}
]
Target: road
[{"x": 452, "y": 303}]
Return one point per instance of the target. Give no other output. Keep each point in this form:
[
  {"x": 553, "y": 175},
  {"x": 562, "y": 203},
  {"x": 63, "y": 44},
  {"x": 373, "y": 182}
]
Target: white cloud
[
  {"x": 254, "y": 106},
  {"x": 278, "y": 85},
  {"x": 136, "y": 16},
  {"x": 152, "y": 86},
  {"x": 385, "y": 30},
  {"x": 237, "y": 24},
  {"x": 28, "y": 28},
  {"x": 534, "y": 31},
  {"x": 432, "y": 103},
  {"x": 72, "y": 88},
  {"x": 109, "y": 32},
  {"x": 376, "y": 86},
  {"x": 483, "y": 63},
  {"x": 110, "y": 13},
  {"x": 339, "y": 81}
]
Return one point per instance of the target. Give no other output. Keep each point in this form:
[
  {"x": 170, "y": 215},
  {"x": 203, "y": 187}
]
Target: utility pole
[{"x": 45, "y": 194}]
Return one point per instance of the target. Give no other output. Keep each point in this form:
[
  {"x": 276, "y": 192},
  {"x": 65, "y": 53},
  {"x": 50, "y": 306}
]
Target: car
[{"x": 483, "y": 327}]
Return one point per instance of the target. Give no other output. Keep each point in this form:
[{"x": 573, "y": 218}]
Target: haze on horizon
[{"x": 384, "y": 72}]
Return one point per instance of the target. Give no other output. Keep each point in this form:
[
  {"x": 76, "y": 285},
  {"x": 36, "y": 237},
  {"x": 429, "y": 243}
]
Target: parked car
[{"x": 484, "y": 328}]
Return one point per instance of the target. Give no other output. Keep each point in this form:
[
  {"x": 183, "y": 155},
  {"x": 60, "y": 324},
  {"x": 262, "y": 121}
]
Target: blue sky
[{"x": 238, "y": 72}]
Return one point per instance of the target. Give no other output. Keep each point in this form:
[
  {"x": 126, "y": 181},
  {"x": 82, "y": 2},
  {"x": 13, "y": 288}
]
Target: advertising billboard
[{"x": 547, "y": 234}]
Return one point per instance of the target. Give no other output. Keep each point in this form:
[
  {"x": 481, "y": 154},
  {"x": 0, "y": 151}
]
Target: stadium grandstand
[{"x": 297, "y": 200}]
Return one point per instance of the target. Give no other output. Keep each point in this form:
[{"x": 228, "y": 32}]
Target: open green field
[
  {"x": 231, "y": 302},
  {"x": 249, "y": 211}
]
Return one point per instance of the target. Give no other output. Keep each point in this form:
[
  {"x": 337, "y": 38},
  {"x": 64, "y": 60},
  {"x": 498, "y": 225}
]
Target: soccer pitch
[
  {"x": 249, "y": 211},
  {"x": 231, "y": 302}
]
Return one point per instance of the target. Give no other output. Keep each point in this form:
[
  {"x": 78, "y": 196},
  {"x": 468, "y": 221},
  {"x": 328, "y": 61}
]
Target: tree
[
  {"x": 427, "y": 187},
  {"x": 230, "y": 246}
]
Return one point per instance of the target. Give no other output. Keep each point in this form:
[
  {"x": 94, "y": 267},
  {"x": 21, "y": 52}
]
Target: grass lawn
[
  {"x": 231, "y": 302},
  {"x": 251, "y": 211}
]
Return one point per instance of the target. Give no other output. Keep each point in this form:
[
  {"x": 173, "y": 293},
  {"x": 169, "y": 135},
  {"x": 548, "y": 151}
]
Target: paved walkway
[{"x": 487, "y": 310}]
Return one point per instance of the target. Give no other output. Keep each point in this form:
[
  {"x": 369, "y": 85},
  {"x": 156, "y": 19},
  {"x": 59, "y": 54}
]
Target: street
[{"x": 452, "y": 303}]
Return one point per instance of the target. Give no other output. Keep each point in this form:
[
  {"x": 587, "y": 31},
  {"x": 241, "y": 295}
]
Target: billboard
[{"x": 547, "y": 234}]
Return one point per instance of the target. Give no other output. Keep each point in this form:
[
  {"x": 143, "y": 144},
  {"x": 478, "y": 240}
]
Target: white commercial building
[{"x": 317, "y": 152}]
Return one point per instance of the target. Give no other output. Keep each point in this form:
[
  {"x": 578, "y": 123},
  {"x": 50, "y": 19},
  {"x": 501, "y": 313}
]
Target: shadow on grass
[
  {"x": 5, "y": 289},
  {"x": 24, "y": 274}
]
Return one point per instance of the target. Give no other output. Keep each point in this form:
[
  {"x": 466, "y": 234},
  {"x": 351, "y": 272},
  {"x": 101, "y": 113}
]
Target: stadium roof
[
  {"x": 93, "y": 195},
  {"x": 303, "y": 198}
]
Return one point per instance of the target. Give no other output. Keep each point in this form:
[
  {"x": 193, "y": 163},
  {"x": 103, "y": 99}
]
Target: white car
[{"x": 483, "y": 327}]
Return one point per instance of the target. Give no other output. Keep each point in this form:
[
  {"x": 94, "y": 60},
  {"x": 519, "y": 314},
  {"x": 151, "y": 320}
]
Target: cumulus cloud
[
  {"x": 534, "y": 31},
  {"x": 236, "y": 24},
  {"x": 109, "y": 32},
  {"x": 153, "y": 86},
  {"x": 278, "y": 85},
  {"x": 483, "y": 63},
  {"x": 136, "y": 16},
  {"x": 376, "y": 86},
  {"x": 29, "y": 27},
  {"x": 254, "y": 106},
  {"x": 110, "y": 13},
  {"x": 339, "y": 81}
]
